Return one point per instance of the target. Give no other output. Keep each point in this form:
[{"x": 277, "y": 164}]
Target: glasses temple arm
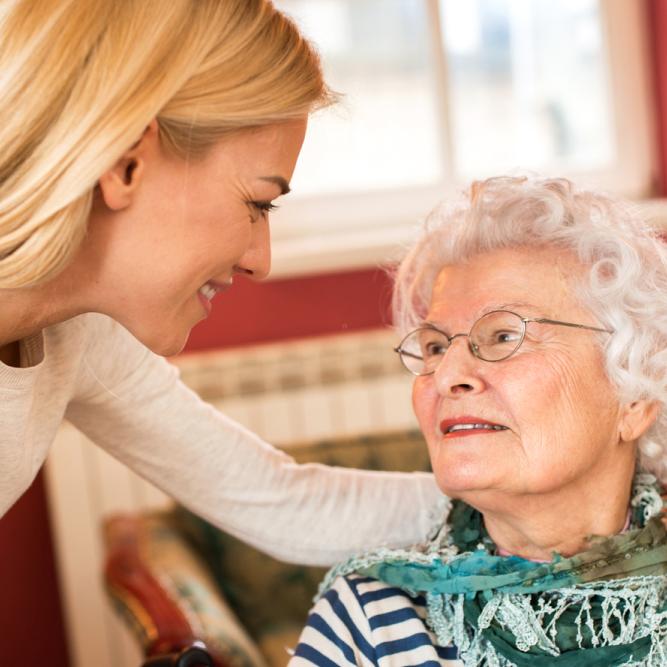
[
  {"x": 544, "y": 320},
  {"x": 401, "y": 351}
]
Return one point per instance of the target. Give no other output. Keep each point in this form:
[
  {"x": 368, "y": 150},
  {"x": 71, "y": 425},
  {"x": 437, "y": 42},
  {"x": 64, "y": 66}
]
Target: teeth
[
  {"x": 208, "y": 291},
  {"x": 470, "y": 427}
]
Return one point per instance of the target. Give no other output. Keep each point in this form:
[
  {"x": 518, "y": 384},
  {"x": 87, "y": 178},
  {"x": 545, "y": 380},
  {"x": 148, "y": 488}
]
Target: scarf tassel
[{"x": 628, "y": 613}]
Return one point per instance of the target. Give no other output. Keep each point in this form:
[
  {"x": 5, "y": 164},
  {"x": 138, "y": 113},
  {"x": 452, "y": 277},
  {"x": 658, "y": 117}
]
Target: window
[{"x": 439, "y": 92}]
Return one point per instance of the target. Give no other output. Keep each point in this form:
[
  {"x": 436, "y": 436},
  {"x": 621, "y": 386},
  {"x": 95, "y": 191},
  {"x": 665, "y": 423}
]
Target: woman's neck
[
  {"x": 536, "y": 526},
  {"x": 23, "y": 313},
  {"x": 29, "y": 310}
]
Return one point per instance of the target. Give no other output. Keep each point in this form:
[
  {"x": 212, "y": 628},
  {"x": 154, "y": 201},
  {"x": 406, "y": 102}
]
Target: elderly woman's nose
[{"x": 457, "y": 372}]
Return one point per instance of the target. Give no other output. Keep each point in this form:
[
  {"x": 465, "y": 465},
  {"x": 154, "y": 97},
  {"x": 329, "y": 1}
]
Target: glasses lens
[
  {"x": 497, "y": 335},
  {"x": 422, "y": 350}
]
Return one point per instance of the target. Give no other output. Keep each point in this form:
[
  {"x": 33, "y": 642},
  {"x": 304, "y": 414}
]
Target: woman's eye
[
  {"x": 506, "y": 337},
  {"x": 263, "y": 207},
  {"x": 433, "y": 349}
]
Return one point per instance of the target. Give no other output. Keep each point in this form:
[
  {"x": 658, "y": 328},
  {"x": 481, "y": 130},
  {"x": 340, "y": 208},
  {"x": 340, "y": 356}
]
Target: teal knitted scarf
[{"x": 605, "y": 606}]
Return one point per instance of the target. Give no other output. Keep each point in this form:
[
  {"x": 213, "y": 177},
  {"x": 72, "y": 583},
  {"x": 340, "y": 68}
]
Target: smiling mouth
[
  {"x": 470, "y": 428},
  {"x": 210, "y": 289},
  {"x": 473, "y": 427}
]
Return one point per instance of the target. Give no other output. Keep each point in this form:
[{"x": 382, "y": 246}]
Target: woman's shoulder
[
  {"x": 91, "y": 335},
  {"x": 384, "y": 607},
  {"x": 107, "y": 353},
  {"x": 360, "y": 620},
  {"x": 364, "y": 599},
  {"x": 62, "y": 345},
  {"x": 84, "y": 328},
  {"x": 372, "y": 595},
  {"x": 101, "y": 335}
]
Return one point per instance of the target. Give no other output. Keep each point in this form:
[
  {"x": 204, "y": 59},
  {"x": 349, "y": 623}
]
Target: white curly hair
[{"x": 625, "y": 286}]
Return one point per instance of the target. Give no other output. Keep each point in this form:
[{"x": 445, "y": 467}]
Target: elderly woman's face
[{"x": 553, "y": 395}]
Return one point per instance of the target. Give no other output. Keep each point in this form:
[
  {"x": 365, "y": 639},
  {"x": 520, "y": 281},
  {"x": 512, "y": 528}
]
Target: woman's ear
[
  {"x": 118, "y": 185},
  {"x": 636, "y": 418}
]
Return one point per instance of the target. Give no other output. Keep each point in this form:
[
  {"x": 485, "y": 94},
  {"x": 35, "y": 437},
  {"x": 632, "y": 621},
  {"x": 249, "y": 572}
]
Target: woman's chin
[
  {"x": 164, "y": 342},
  {"x": 170, "y": 346},
  {"x": 170, "y": 349},
  {"x": 459, "y": 480}
]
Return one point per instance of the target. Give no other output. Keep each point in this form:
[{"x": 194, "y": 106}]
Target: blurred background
[{"x": 434, "y": 93}]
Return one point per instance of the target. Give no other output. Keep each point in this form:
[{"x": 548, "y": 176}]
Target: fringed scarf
[{"x": 605, "y": 606}]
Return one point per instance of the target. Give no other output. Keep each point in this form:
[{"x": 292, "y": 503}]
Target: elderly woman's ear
[{"x": 636, "y": 418}]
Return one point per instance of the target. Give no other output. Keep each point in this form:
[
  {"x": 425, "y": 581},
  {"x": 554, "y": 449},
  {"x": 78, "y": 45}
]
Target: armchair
[{"x": 196, "y": 597}]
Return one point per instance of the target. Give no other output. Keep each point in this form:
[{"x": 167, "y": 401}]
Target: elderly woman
[{"x": 535, "y": 321}]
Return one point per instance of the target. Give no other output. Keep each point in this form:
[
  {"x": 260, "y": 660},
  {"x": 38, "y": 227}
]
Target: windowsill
[{"x": 350, "y": 248}]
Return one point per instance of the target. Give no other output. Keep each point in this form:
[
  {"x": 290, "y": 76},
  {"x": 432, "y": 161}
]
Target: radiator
[{"x": 288, "y": 393}]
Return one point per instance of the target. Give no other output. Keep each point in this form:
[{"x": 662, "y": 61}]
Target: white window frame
[{"x": 319, "y": 234}]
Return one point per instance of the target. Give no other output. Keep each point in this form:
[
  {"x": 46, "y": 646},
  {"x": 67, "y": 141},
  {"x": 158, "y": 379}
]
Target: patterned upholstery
[{"x": 165, "y": 591}]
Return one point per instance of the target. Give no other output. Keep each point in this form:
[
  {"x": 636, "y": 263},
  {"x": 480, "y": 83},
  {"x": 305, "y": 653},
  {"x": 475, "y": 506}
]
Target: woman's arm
[{"x": 132, "y": 404}]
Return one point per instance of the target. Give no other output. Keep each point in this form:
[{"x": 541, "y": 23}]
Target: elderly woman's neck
[{"x": 535, "y": 526}]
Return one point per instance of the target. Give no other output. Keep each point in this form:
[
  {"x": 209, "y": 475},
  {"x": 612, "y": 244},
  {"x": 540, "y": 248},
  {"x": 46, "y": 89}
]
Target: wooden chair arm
[
  {"x": 168, "y": 638},
  {"x": 192, "y": 656}
]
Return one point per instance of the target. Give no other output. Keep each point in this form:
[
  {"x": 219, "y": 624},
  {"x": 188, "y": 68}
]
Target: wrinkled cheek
[{"x": 425, "y": 405}]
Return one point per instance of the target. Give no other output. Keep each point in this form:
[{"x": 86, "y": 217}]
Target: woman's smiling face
[
  {"x": 553, "y": 395},
  {"x": 168, "y": 227}
]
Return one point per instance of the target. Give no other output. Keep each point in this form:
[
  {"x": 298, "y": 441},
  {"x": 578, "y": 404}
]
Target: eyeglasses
[{"x": 493, "y": 337}]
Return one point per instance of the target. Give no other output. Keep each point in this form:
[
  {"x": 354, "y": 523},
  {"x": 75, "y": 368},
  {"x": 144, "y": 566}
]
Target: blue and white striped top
[{"x": 362, "y": 621}]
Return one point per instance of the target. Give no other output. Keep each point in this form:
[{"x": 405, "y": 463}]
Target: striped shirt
[{"x": 362, "y": 621}]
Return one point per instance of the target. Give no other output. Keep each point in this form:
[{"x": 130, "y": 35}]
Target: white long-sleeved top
[{"x": 131, "y": 402}]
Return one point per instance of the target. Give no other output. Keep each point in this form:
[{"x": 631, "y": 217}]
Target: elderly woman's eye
[
  {"x": 502, "y": 337},
  {"x": 433, "y": 349}
]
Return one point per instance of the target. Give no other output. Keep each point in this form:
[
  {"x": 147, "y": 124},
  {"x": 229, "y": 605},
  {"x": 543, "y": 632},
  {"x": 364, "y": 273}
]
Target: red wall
[
  {"x": 31, "y": 623},
  {"x": 31, "y": 630},
  {"x": 256, "y": 312}
]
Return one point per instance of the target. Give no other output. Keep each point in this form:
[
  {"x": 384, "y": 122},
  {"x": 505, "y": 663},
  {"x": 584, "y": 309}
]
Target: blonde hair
[{"x": 81, "y": 79}]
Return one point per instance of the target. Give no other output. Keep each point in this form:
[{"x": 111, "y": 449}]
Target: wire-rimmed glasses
[{"x": 495, "y": 336}]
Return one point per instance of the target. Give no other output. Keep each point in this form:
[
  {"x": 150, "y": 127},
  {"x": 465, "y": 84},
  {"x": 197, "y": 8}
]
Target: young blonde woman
[{"x": 143, "y": 143}]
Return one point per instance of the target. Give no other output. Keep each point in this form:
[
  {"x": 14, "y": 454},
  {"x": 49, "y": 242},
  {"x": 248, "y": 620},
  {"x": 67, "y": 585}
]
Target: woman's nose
[
  {"x": 256, "y": 261},
  {"x": 457, "y": 374}
]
